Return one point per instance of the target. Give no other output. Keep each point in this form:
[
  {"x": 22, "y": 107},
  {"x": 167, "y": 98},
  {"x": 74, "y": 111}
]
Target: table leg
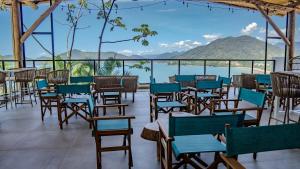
[
  {"x": 158, "y": 150},
  {"x": 276, "y": 105}
]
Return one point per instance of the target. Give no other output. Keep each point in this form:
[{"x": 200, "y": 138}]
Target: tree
[
  {"x": 109, "y": 67},
  {"x": 104, "y": 13}
]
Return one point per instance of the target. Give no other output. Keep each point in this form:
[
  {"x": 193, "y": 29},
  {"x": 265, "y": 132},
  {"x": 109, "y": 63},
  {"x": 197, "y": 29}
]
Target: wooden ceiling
[{"x": 275, "y": 7}]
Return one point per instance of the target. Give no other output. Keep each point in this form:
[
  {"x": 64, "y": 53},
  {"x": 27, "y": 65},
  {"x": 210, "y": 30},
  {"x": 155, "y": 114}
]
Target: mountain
[
  {"x": 242, "y": 47},
  {"x": 166, "y": 55},
  {"x": 78, "y": 54}
]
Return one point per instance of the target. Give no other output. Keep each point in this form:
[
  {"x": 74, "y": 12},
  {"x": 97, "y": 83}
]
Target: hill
[{"x": 242, "y": 47}]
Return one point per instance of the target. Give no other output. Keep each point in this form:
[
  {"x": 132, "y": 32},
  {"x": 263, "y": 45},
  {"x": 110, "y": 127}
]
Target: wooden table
[{"x": 151, "y": 130}]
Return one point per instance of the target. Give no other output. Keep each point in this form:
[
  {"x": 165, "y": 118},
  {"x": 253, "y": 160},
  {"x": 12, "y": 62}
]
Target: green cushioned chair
[
  {"x": 259, "y": 139},
  {"x": 165, "y": 97},
  {"x": 75, "y": 98},
  {"x": 104, "y": 126},
  {"x": 48, "y": 97},
  {"x": 190, "y": 135},
  {"x": 204, "y": 91}
]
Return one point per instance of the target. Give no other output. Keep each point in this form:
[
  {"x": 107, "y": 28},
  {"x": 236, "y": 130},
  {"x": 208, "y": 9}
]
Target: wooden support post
[
  {"x": 291, "y": 34},
  {"x": 40, "y": 20},
  {"x": 16, "y": 31},
  {"x": 275, "y": 27}
]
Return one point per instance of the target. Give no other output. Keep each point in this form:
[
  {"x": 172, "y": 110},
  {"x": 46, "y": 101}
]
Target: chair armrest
[
  {"x": 232, "y": 162},
  {"x": 163, "y": 131},
  {"x": 192, "y": 88},
  {"x": 108, "y": 89},
  {"x": 238, "y": 109},
  {"x": 111, "y": 105},
  {"x": 229, "y": 100},
  {"x": 113, "y": 118}
]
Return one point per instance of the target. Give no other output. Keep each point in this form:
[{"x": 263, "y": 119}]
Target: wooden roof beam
[
  {"x": 40, "y": 20},
  {"x": 273, "y": 24}
]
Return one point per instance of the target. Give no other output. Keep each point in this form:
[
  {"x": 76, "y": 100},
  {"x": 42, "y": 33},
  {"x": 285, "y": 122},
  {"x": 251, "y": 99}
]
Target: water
[{"x": 162, "y": 71}]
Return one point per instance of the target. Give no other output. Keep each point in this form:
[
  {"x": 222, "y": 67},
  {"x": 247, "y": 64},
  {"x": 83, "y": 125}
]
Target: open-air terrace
[{"x": 155, "y": 84}]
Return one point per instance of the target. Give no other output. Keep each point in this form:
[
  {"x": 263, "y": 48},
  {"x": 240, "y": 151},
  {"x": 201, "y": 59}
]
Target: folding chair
[
  {"x": 189, "y": 136},
  {"x": 111, "y": 126},
  {"x": 165, "y": 97},
  {"x": 48, "y": 97},
  {"x": 226, "y": 87},
  {"x": 75, "y": 104},
  {"x": 204, "y": 91}
]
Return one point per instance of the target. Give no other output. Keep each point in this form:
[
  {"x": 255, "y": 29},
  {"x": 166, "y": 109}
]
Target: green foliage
[
  {"x": 141, "y": 65},
  {"x": 2, "y": 5},
  {"x": 109, "y": 67},
  {"x": 145, "y": 32},
  {"x": 83, "y": 69},
  {"x": 58, "y": 63}
]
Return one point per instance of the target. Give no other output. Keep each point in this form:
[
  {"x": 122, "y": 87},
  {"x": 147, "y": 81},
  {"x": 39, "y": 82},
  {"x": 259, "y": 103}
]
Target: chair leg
[
  {"x": 130, "y": 152},
  {"x": 254, "y": 156}
]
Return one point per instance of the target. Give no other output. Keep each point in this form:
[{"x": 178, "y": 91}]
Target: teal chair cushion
[
  {"x": 107, "y": 94},
  {"x": 110, "y": 125},
  {"x": 206, "y": 95},
  {"x": 49, "y": 95},
  {"x": 75, "y": 100},
  {"x": 170, "y": 104},
  {"x": 192, "y": 144}
]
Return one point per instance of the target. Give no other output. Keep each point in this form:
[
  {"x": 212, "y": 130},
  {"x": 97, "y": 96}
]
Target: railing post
[
  {"x": 252, "y": 66},
  {"x": 204, "y": 67},
  {"x": 3, "y": 64},
  {"x": 94, "y": 64},
  {"x": 65, "y": 66},
  {"x": 123, "y": 63},
  {"x": 151, "y": 68},
  {"x": 179, "y": 64},
  {"x": 274, "y": 64},
  {"x": 229, "y": 68},
  {"x": 33, "y": 63}
]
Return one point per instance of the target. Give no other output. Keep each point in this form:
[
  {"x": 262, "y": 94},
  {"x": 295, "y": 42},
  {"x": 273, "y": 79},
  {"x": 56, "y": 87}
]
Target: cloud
[
  {"x": 180, "y": 45},
  {"x": 211, "y": 37},
  {"x": 271, "y": 31},
  {"x": 126, "y": 52},
  {"x": 260, "y": 38},
  {"x": 249, "y": 28}
]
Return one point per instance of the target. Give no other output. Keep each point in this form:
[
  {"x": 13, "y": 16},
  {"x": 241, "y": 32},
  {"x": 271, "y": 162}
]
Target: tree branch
[{"x": 125, "y": 40}]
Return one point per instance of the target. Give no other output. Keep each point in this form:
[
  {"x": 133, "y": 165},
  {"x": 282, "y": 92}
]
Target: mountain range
[{"x": 242, "y": 47}]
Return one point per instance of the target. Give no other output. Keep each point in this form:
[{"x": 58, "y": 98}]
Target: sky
[{"x": 180, "y": 26}]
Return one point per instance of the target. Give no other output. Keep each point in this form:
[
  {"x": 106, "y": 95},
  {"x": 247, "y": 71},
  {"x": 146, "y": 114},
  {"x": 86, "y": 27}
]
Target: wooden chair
[
  {"x": 109, "y": 88},
  {"x": 204, "y": 91},
  {"x": 165, "y": 97},
  {"x": 186, "y": 81},
  {"x": 76, "y": 102},
  {"x": 4, "y": 94},
  {"x": 258, "y": 139},
  {"x": 236, "y": 82},
  {"x": 41, "y": 73},
  {"x": 254, "y": 98},
  {"x": 25, "y": 85},
  {"x": 111, "y": 126},
  {"x": 226, "y": 88},
  {"x": 264, "y": 84},
  {"x": 57, "y": 77},
  {"x": 188, "y": 136},
  {"x": 48, "y": 97}
]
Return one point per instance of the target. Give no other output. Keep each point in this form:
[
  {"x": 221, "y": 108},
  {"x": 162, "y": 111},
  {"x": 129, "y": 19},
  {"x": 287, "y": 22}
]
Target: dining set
[{"x": 185, "y": 129}]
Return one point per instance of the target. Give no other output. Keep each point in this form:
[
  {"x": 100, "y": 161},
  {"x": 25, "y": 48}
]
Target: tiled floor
[{"x": 27, "y": 143}]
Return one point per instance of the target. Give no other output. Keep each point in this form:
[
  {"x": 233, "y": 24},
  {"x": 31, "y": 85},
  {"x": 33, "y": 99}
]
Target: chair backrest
[
  {"x": 107, "y": 82},
  {"x": 156, "y": 88},
  {"x": 2, "y": 77},
  {"x": 263, "y": 79},
  {"x": 41, "y": 84},
  {"x": 185, "y": 78},
  {"x": 209, "y": 84},
  {"x": 226, "y": 80},
  {"x": 91, "y": 104},
  {"x": 73, "y": 89},
  {"x": 206, "y": 77},
  {"x": 82, "y": 79},
  {"x": 253, "y": 97},
  {"x": 58, "y": 77},
  {"x": 130, "y": 83},
  {"x": 196, "y": 125},
  {"x": 42, "y": 73},
  {"x": 248, "y": 81},
  {"x": 260, "y": 139}
]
